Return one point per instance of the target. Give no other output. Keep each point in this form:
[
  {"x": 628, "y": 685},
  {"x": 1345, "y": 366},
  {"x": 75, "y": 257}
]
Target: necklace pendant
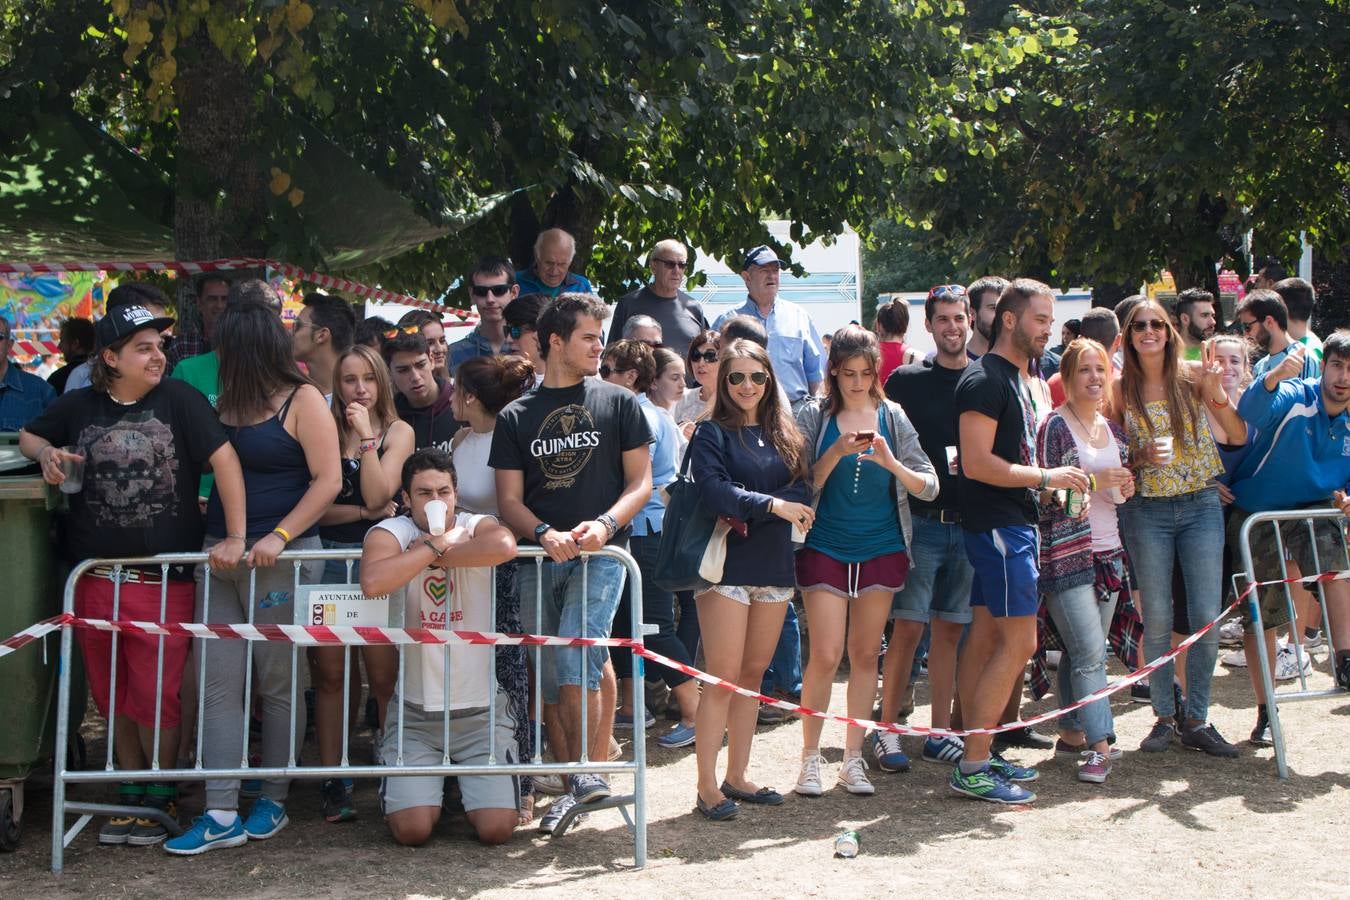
[{"x": 761, "y": 441}]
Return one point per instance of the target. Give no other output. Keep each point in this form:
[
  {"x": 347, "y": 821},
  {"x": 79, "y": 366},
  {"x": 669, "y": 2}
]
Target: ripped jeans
[{"x": 1083, "y": 622}]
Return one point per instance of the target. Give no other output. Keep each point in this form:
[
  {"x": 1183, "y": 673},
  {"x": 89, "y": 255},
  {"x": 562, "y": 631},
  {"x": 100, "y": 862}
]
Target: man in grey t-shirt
[{"x": 679, "y": 314}]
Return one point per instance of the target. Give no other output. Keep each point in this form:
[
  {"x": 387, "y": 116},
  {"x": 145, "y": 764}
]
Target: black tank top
[{"x": 276, "y": 476}]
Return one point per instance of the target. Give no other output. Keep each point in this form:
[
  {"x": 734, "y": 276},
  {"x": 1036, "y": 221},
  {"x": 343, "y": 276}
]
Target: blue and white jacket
[{"x": 1297, "y": 455}]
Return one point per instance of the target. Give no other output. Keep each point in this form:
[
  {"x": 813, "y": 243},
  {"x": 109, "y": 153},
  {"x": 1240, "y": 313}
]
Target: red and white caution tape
[
  {"x": 314, "y": 635},
  {"x": 332, "y": 282},
  {"x": 35, "y": 348}
]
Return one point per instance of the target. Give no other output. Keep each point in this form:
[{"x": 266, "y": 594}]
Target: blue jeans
[
  {"x": 335, "y": 570},
  {"x": 785, "y": 669},
  {"x": 1159, "y": 531},
  {"x": 1083, "y": 623},
  {"x": 557, "y": 610},
  {"x": 938, "y": 585}
]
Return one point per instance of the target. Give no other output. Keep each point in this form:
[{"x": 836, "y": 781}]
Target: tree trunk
[{"x": 220, "y": 202}]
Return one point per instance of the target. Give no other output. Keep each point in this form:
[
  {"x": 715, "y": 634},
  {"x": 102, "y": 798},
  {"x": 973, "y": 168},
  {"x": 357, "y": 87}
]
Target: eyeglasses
[
  {"x": 655, "y": 345},
  {"x": 607, "y": 370},
  {"x": 671, "y": 263},
  {"x": 497, "y": 290},
  {"x": 515, "y": 331},
  {"x": 940, "y": 291},
  {"x": 1248, "y": 326},
  {"x": 708, "y": 356},
  {"x": 1142, "y": 325},
  {"x": 406, "y": 329},
  {"x": 758, "y": 378}
]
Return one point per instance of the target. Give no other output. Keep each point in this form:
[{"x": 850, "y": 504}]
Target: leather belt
[{"x": 945, "y": 516}]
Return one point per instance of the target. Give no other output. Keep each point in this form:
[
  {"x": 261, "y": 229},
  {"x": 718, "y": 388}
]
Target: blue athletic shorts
[{"x": 1006, "y": 563}]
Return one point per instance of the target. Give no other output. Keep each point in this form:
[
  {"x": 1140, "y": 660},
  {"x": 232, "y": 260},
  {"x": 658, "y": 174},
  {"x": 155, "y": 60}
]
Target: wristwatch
[{"x": 540, "y": 530}]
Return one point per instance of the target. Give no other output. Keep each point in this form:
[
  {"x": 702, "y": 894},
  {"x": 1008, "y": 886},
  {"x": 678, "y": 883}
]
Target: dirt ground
[{"x": 1171, "y": 824}]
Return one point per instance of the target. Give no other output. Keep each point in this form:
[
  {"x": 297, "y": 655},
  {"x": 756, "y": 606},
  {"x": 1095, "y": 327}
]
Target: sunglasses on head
[
  {"x": 1140, "y": 326},
  {"x": 939, "y": 291},
  {"x": 406, "y": 329},
  {"x": 607, "y": 370},
  {"x": 758, "y": 378},
  {"x": 708, "y": 356},
  {"x": 497, "y": 290}
]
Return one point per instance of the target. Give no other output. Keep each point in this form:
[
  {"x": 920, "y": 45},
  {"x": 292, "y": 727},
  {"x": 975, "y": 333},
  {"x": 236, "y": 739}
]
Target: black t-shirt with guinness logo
[{"x": 570, "y": 442}]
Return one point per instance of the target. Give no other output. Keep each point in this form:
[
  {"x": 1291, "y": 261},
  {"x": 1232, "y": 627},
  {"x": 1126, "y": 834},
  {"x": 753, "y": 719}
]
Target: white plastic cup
[
  {"x": 951, "y": 460},
  {"x": 436, "y": 511},
  {"x": 1115, "y": 496},
  {"x": 73, "y": 468},
  {"x": 1163, "y": 446}
]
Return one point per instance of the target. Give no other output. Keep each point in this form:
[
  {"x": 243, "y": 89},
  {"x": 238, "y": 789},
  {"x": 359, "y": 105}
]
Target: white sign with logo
[{"x": 326, "y": 604}]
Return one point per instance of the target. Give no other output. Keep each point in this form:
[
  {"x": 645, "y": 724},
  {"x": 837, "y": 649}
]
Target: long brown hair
[
  {"x": 848, "y": 342},
  {"x": 255, "y": 361},
  {"x": 1068, "y": 367},
  {"x": 382, "y": 413},
  {"x": 779, "y": 428},
  {"x": 1176, "y": 377}
]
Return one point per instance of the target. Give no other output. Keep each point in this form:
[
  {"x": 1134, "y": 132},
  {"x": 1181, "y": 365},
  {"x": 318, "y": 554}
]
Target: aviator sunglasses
[{"x": 758, "y": 378}]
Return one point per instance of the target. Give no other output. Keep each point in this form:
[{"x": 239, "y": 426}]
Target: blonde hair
[
  {"x": 1068, "y": 367},
  {"x": 382, "y": 413},
  {"x": 1244, "y": 349}
]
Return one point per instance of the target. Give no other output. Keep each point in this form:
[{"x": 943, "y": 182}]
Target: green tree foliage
[
  {"x": 1156, "y": 137},
  {"x": 894, "y": 261}
]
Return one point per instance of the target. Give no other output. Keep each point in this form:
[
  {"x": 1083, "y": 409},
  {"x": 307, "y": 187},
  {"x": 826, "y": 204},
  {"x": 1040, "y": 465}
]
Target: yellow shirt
[{"x": 1192, "y": 465}]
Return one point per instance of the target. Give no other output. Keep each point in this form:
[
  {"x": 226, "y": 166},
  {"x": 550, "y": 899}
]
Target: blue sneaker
[
  {"x": 207, "y": 834},
  {"x": 1012, "y": 771},
  {"x": 943, "y": 749},
  {"x": 988, "y": 784},
  {"x": 681, "y": 735},
  {"x": 265, "y": 819},
  {"x": 887, "y": 752}
]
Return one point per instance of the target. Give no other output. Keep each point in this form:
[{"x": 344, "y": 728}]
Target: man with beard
[
  {"x": 998, "y": 485},
  {"x": 1265, "y": 321},
  {"x": 983, "y": 295},
  {"x": 1196, "y": 320}
]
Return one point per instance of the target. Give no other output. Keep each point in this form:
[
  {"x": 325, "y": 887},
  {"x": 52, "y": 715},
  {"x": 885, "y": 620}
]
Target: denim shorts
[
  {"x": 938, "y": 585},
  {"x": 1007, "y": 564},
  {"x": 335, "y": 570},
  {"x": 552, "y": 595}
]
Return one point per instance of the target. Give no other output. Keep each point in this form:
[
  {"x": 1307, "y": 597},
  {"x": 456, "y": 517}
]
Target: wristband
[
  {"x": 427, "y": 542},
  {"x": 1217, "y": 404},
  {"x": 282, "y": 533},
  {"x": 611, "y": 524},
  {"x": 1092, "y": 482},
  {"x": 234, "y": 537},
  {"x": 1045, "y": 479},
  {"x": 367, "y": 446}
]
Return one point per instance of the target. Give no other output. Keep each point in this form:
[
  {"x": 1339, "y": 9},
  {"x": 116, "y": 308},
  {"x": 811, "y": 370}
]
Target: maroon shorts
[
  {"x": 137, "y": 654},
  {"x": 819, "y": 572}
]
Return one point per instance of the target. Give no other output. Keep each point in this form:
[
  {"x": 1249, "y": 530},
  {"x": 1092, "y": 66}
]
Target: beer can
[
  {"x": 1073, "y": 503},
  {"x": 846, "y": 845}
]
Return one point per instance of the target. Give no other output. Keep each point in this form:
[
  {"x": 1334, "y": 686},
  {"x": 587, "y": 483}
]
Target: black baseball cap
[{"x": 124, "y": 321}]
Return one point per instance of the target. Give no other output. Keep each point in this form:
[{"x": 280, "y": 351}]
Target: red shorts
[
  {"x": 137, "y": 654},
  {"x": 819, "y": 572}
]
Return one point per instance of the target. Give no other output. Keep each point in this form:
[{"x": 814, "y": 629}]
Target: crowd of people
[{"x": 968, "y": 510}]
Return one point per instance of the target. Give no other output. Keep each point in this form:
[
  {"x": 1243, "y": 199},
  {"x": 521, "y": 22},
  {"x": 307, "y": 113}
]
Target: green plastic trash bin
[{"x": 32, "y": 593}]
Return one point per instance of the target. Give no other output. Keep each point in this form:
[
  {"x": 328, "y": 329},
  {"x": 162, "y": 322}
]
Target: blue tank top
[
  {"x": 276, "y": 476},
  {"x": 856, "y": 519}
]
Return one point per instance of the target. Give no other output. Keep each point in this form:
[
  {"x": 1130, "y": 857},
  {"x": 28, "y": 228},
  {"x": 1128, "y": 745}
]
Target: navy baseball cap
[
  {"x": 124, "y": 321},
  {"x": 762, "y": 255}
]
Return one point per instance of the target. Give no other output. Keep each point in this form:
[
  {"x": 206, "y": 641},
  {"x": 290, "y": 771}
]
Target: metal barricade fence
[
  {"x": 119, "y": 569},
  {"x": 1274, "y": 521}
]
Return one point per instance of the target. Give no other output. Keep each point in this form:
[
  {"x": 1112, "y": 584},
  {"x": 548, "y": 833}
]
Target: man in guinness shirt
[{"x": 572, "y": 470}]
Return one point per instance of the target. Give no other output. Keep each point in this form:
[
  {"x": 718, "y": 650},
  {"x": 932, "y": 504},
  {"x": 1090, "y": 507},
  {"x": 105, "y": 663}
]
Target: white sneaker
[
  {"x": 853, "y": 776},
  {"x": 1287, "y": 666},
  {"x": 808, "y": 782},
  {"x": 1230, "y": 632},
  {"x": 1237, "y": 659},
  {"x": 1314, "y": 642}
]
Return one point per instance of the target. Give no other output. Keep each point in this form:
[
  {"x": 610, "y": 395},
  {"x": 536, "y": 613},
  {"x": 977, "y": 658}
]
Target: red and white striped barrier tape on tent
[
  {"x": 332, "y": 282},
  {"x": 314, "y": 635},
  {"x": 35, "y": 348}
]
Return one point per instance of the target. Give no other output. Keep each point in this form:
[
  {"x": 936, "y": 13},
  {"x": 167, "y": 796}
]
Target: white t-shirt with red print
[{"x": 450, "y": 600}]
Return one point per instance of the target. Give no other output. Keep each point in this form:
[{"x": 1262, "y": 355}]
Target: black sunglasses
[
  {"x": 671, "y": 263},
  {"x": 708, "y": 356},
  {"x": 607, "y": 370},
  {"x": 515, "y": 331},
  {"x": 1139, "y": 327},
  {"x": 759, "y": 378},
  {"x": 497, "y": 290}
]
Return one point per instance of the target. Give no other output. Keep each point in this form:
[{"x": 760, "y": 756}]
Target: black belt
[{"x": 945, "y": 516}]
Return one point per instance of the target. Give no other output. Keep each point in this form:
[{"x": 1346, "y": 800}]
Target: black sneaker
[
  {"x": 1022, "y": 737},
  {"x": 337, "y": 801},
  {"x": 118, "y": 828},
  {"x": 1140, "y": 693},
  {"x": 1207, "y": 739},
  {"x": 1343, "y": 671},
  {"x": 147, "y": 831},
  {"x": 1160, "y": 738},
  {"x": 1261, "y": 735}
]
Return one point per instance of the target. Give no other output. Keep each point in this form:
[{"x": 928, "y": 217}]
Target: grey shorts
[
  {"x": 423, "y": 738},
  {"x": 744, "y": 594}
]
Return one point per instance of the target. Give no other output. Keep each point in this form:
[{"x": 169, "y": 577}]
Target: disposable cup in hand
[
  {"x": 1163, "y": 447},
  {"x": 951, "y": 460},
  {"x": 436, "y": 516},
  {"x": 1115, "y": 495},
  {"x": 72, "y": 466}
]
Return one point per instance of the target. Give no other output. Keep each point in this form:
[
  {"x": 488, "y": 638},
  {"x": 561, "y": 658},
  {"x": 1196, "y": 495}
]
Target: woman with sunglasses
[
  {"x": 374, "y": 443},
  {"x": 749, "y": 465},
  {"x": 1160, "y": 400},
  {"x": 866, "y": 461},
  {"x": 702, "y": 359}
]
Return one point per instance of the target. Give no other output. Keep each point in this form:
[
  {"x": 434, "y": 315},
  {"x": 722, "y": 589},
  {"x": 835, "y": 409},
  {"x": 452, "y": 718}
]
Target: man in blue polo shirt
[
  {"x": 550, "y": 273},
  {"x": 23, "y": 396},
  {"x": 794, "y": 345},
  {"x": 1299, "y": 458}
]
